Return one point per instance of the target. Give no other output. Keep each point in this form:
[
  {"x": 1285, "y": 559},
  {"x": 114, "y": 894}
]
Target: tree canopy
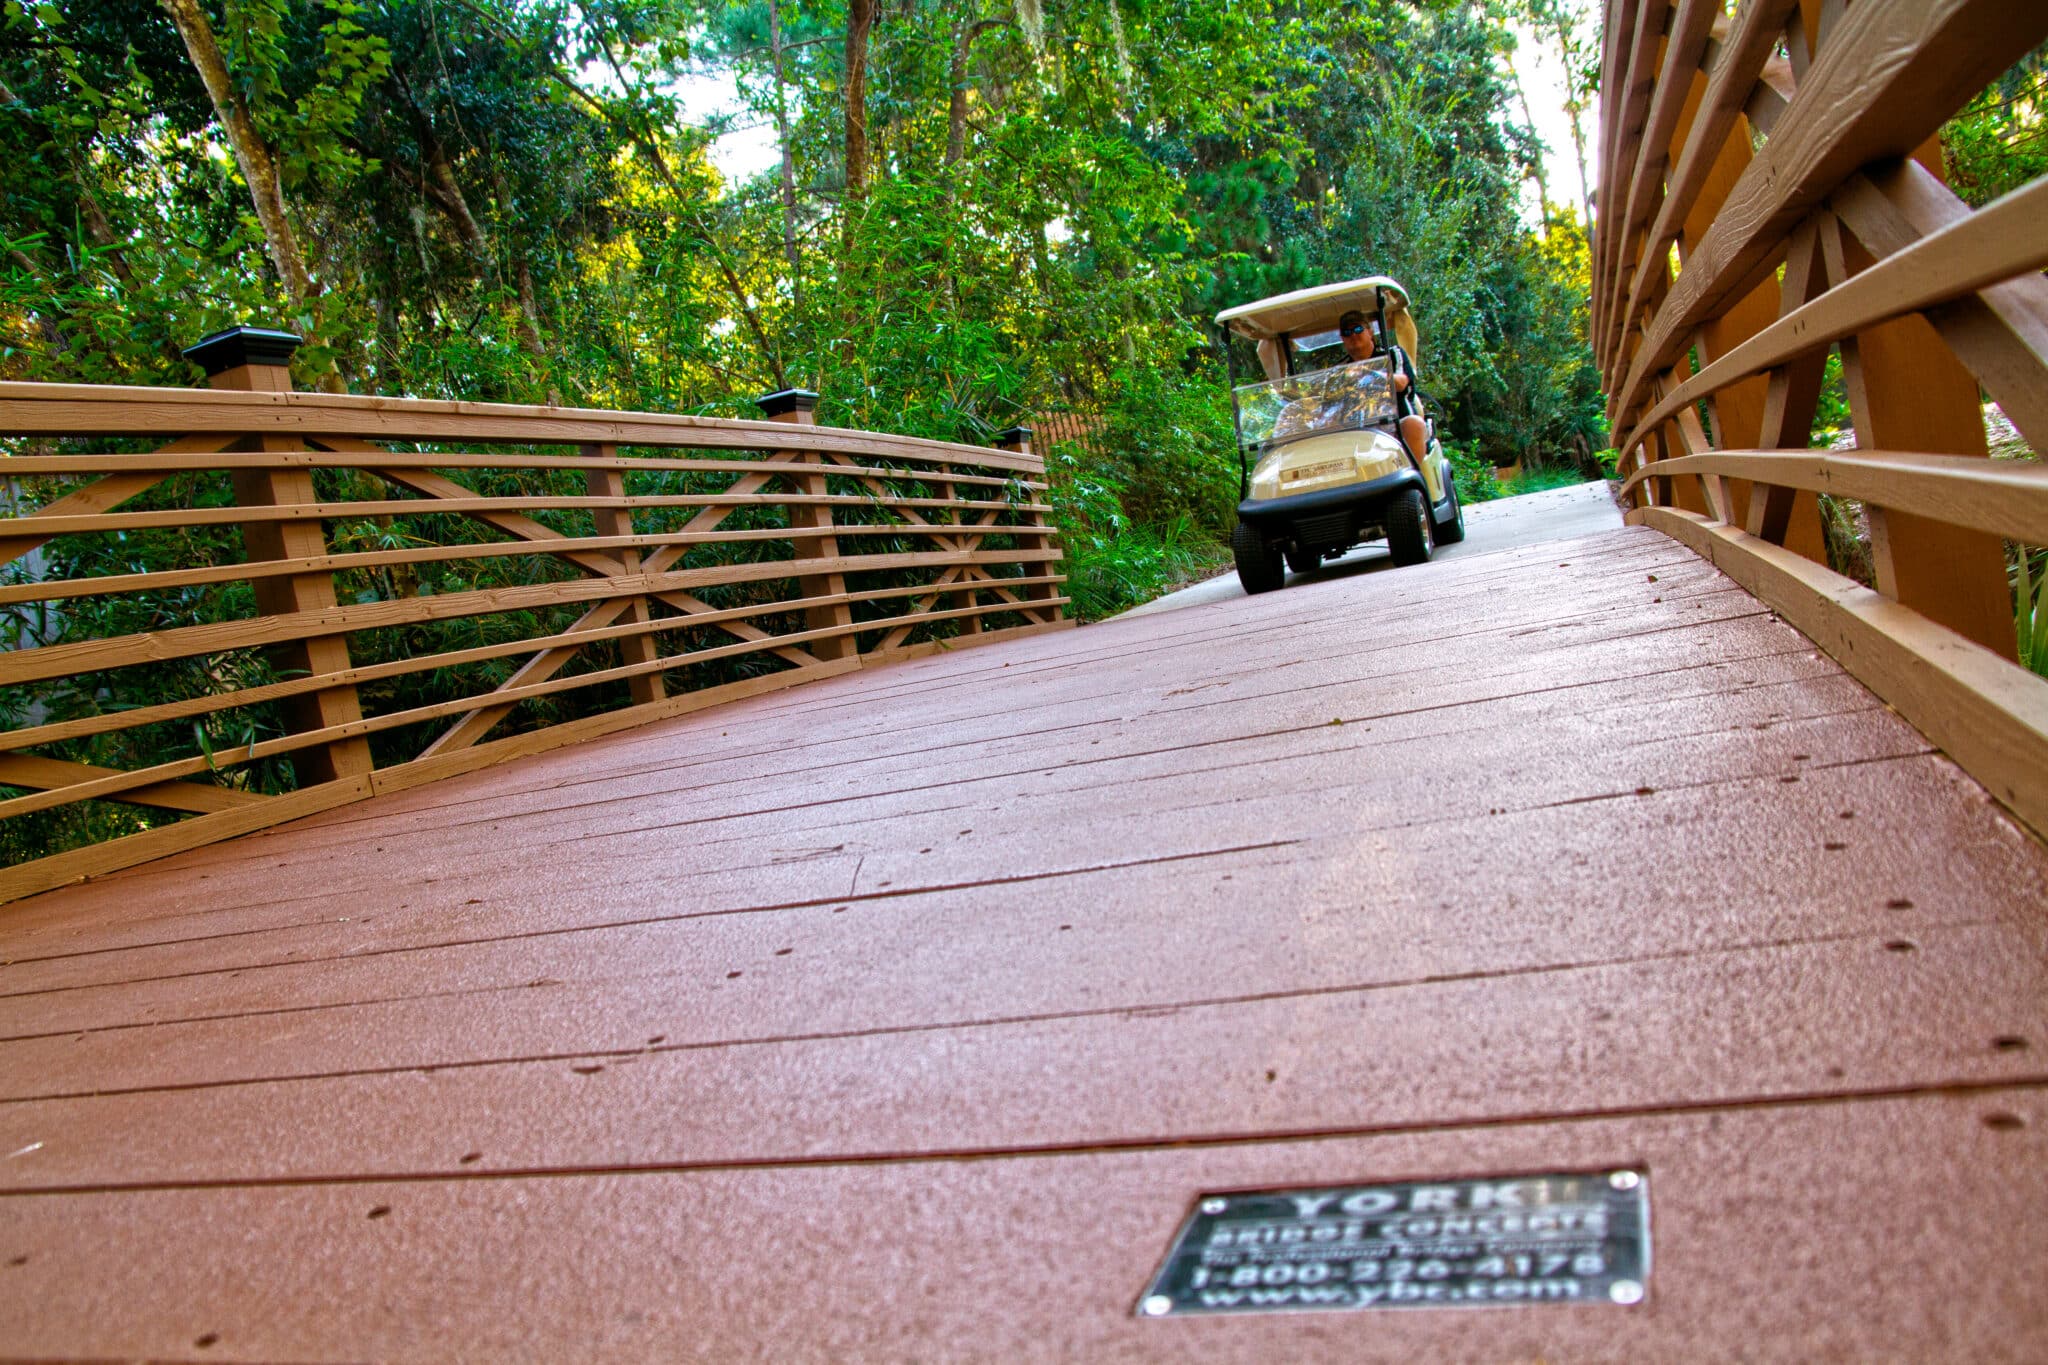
[{"x": 1026, "y": 206}]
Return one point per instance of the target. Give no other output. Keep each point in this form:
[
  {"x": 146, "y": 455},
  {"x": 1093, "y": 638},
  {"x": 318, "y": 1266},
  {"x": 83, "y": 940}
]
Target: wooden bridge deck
[{"x": 904, "y": 1015}]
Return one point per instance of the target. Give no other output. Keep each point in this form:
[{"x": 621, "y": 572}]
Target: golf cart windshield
[{"x": 1343, "y": 398}]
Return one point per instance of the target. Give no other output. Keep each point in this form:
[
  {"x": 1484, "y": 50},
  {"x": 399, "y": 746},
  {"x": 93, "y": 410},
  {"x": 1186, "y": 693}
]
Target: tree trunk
[
  {"x": 1542, "y": 181},
  {"x": 796, "y": 287},
  {"x": 956, "y": 108},
  {"x": 448, "y": 197},
  {"x": 522, "y": 278},
  {"x": 259, "y": 168},
  {"x": 529, "y": 311},
  {"x": 95, "y": 220},
  {"x": 1575, "y": 108},
  {"x": 53, "y": 336},
  {"x": 90, "y": 213},
  {"x": 860, "y": 18},
  {"x": 438, "y": 183},
  {"x": 386, "y": 342}
]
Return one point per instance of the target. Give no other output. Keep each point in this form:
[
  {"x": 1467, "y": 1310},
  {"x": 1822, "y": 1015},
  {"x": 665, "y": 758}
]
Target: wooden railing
[
  {"x": 366, "y": 589},
  {"x": 1774, "y": 189}
]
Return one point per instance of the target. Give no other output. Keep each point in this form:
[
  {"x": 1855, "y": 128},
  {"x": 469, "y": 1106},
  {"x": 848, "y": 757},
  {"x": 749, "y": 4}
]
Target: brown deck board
[
  {"x": 1763, "y": 1247},
  {"x": 935, "y": 948},
  {"x": 1734, "y": 1026},
  {"x": 1831, "y": 719},
  {"x": 904, "y": 1014}
]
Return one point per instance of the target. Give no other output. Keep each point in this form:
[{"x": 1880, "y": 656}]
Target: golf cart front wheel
[
  {"x": 1451, "y": 530},
  {"x": 1258, "y": 563},
  {"x": 1408, "y": 527}
]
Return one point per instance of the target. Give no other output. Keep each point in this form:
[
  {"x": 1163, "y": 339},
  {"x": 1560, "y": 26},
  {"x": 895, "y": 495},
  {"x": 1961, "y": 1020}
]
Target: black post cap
[
  {"x": 242, "y": 346},
  {"x": 787, "y": 400},
  {"x": 1014, "y": 436}
]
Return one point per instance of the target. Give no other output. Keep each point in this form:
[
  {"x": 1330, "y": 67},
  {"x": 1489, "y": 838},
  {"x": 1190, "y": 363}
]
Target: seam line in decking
[
  {"x": 1832, "y": 765},
  {"x": 1524, "y": 629},
  {"x": 1738, "y": 689},
  {"x": 1563, "y": 802},
  {"x": 810, "y": 903},
  {"x": 1152, "y": 1009},
  {"x": 1956, "y": 1089},
  {"x": 1183, "y": 774}
]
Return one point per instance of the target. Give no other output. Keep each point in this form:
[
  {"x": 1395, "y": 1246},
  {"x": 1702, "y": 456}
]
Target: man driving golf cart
[{"x": 1334, "y": 447}]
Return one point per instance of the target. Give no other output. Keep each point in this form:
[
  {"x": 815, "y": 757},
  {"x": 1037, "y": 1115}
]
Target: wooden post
[
  {"x": 610, "y": 521},
  {"x": 1018, "y": 441},
  {"x": 255, "y": 360},
  {"x": 799, "y": 407}
]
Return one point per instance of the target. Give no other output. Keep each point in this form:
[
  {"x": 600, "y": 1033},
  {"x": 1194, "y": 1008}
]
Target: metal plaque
[{"x": 1445, "y": 1244}]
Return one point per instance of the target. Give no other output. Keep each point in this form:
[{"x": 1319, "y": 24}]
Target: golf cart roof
[{"x": 1310, "y": 310}]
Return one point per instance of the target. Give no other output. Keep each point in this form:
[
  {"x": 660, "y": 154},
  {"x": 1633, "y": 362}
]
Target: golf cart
[{"x": 1334, "y": 451}]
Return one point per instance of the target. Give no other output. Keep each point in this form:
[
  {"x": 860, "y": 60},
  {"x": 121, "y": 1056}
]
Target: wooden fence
[
  {"x": 365, "y": 589},
  {"x": 1774, "y": 190}
]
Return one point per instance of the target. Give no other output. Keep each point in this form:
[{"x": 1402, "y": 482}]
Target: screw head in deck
[
  {"x": 1156, "y": 1306},
  {"x": 1624, "y": 1180}
]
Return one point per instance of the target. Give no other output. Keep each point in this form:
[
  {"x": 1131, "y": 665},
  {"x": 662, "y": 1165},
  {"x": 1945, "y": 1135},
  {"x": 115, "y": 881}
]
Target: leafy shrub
[
  {"x": 1472, "y": 473},
  {"x": 1112, "y": 574},
  {"x": 1541, "y": 480},
  {"x": 2030, "y": 610}
]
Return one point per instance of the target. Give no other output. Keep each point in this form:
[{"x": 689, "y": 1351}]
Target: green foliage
[
  {"x": 1410, "y": 173},
  {"x": 1169, "y": 444},
  {"x": 1831, "y": 414},
  {"x": 1846, "y": 535},
  {"x": 1541, "y": 480},
  {"x": 1107, "y": 577},
  {"x": 2000, "y": 140},
  {"x": 1473, "y": 476},
  {"x": 486, "y": 217},
  {"x": 2030, "y": 609},
  {"x": 1113, "y": 564}
]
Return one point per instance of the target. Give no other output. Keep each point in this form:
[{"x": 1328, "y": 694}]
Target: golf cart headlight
[{"x": 1266, "y": 477}]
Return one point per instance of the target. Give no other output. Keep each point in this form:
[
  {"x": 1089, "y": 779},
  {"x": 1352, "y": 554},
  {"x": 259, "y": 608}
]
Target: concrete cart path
[
  {"x": 1503, "y": 524},
  {"x": 906, "y": 1016}
]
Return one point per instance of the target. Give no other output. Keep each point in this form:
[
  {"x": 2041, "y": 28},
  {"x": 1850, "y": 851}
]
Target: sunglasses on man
[{"x": 1351, "y": 331}]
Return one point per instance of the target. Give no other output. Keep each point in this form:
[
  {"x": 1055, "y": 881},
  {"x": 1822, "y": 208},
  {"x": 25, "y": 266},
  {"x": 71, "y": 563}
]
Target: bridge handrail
[
  {"x": 28, "y": 409},
  {"x": 2008, "y": 498},
  {"x": 1776, "y": 192},
  {"x": 827, "y": 550},
  {"x": 1986, "y": 712}
]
